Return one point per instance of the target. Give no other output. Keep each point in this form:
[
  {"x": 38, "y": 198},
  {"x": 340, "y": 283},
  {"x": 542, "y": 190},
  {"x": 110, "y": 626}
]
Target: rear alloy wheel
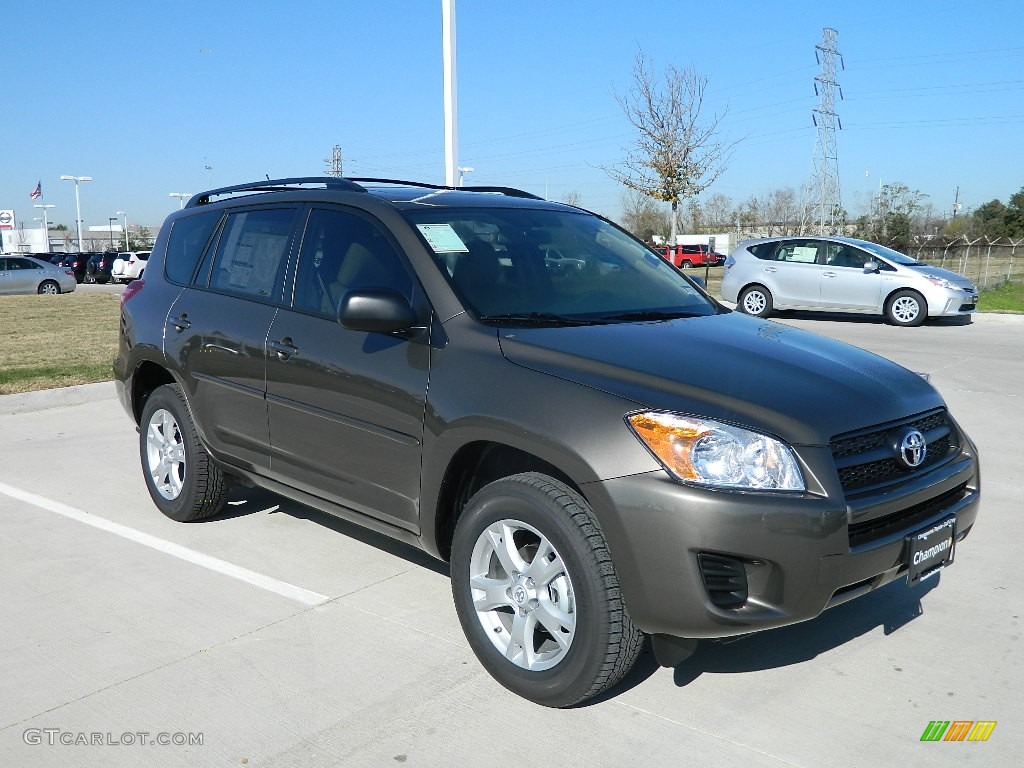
[
  {"x": 181, "y": 477},
  {"x": 49, "y": 287},
  {"x": 906, "y": 308},
  {"x": 756, "y": 300},
  {"x": 686, "y": 264},
  {"x": 537, "y": 594}
]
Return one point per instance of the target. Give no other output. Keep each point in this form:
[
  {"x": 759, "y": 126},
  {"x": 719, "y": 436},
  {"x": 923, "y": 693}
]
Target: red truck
[{"x": 686, "y": 256}]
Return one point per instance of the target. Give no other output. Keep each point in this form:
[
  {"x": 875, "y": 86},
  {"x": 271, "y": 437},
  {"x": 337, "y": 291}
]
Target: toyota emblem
[{"x": 912, "y": 448}]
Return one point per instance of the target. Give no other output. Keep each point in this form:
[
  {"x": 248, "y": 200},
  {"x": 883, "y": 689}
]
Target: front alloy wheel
[
  {"x": 525, "y": 606},
  {"x": 906, "y": 308},
  {"x": 537, "y": 594}
]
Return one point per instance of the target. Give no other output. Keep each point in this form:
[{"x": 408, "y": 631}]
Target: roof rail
[
  {"x": 510, "y": 191},
  {"x": 275, "y": 185}
]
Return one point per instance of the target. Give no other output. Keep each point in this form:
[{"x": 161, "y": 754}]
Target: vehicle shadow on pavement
[
  {"x": 891, "y": 607},
  {"x": 247, "y": 501},
  {"x": 854, "y": 318}
]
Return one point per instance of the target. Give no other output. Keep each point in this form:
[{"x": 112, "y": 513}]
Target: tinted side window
[
  {"x": 343, "y": 252},
  {"x": 251, "y": 255},
  {"x": 186, "y": 245},
  {"x": 22, "y": 264}
]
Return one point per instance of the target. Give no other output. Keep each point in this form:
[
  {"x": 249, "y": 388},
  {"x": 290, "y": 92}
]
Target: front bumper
[
  {"x": 951, "y": 303},
  {"x": 799, "y": 553}
]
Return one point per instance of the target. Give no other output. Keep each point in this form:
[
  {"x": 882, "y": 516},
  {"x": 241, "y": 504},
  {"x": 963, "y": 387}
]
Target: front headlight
[
  {"x": 707, "y": 452},
  {"x": 941, "y": 282}
]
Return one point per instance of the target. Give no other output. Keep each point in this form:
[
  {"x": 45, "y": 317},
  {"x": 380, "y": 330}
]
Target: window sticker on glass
[{"x": 442, "y": 238}]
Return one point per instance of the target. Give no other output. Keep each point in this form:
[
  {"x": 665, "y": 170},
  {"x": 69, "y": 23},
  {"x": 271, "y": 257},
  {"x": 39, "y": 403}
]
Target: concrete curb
[{"x": 27, "y": 402}]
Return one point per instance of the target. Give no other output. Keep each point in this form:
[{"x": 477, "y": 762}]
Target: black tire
[
  {"x": 755, "y": 300},
  {"x": 49, "y": 286},
  {"x": 685, "y": 264},
  {"x": 182, "y": 479},
  {"x": 907, "y": 308},
  {"x": 578, "y": 597}
]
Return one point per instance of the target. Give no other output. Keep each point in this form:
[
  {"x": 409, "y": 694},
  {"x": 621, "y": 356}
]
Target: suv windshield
[{"x": 541, "y": 267}]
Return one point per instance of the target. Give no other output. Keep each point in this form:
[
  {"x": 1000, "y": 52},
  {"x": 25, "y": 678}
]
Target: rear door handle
[{"x": 284, "y": 348}]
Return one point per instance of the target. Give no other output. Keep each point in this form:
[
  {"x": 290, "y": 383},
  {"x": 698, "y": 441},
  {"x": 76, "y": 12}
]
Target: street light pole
[
  {"x": 451, "y": 129},
  {"x": 110, "y": 229},
  {"x": 46, "y": 224},
  {"x": 463, "y": 170},
  {"x": 78, "y": 205},
  {"x": 122, "y": 213},
  {"x": 182, "y": 197}
]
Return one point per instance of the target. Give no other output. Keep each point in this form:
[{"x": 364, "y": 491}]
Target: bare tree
[
  {"x": 641, "y": 216},
  {"x": 719, "y": 212},
  {"x": 676, "y": 155},
  {"x": 573, "y": 197}
]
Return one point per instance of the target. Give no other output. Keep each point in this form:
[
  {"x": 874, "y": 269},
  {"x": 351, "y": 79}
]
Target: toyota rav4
[{"x": 412, "y": 358}]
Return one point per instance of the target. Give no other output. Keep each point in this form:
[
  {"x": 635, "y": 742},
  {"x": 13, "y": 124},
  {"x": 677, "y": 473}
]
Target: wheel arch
[
  {"x": 146, "y": 378},
  {"x": 473, "y": 466}
]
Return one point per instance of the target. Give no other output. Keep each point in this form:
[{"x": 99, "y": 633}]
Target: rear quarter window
[{"x": 186, "y": 245}]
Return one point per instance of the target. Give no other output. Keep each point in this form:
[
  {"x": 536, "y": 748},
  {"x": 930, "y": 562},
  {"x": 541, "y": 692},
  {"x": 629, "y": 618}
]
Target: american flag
[{"x": 36, "y": 193}]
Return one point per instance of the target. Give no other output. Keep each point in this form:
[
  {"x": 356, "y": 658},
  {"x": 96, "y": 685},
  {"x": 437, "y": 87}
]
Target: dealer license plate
[{"x": 931, "y": 550}]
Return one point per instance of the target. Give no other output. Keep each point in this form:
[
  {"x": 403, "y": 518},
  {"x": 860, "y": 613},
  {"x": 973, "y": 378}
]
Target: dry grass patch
[{"x": 56, "y": 341}]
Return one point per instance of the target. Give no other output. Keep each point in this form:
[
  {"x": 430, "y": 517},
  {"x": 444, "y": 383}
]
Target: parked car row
[{"x": 98, "y": 266}]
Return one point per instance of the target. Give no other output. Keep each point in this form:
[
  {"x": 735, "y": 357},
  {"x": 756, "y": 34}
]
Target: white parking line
[{"x": 268, "y": 583}]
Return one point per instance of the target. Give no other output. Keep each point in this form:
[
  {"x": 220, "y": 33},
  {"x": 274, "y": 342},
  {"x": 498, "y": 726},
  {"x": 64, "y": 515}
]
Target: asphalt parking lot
[{"x": 277, "y": 636}]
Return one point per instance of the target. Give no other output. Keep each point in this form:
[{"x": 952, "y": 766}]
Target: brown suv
[{"x": 411, "y": 357}]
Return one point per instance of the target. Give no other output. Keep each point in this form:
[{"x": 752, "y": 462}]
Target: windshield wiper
[
  {"x": 534, "y": 318},
  {"x": 648, "y": 315}
]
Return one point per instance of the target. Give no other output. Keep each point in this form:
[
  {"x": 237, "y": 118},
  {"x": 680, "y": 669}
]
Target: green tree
[
  {"x": 140, "y": 239},
  {"x": 992, "y": 218},
  {"x": 1015, "y": 215}
]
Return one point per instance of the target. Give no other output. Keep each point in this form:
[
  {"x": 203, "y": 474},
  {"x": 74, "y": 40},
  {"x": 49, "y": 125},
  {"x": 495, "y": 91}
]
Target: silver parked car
[
  {"x": 23, "y": 274},
  {"x": 842, "y": 274}
]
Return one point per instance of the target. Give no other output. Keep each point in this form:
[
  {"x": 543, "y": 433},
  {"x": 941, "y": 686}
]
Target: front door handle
[
  {"x": 181, "y": 322},
  {"x": 284, "y": 349}
]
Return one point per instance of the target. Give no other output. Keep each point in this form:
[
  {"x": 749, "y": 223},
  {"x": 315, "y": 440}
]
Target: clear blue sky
[{"x": 142, "y": 95}]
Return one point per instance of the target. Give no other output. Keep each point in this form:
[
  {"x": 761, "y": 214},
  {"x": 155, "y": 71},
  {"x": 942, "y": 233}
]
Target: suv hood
[{"x": 797, "y": 385}]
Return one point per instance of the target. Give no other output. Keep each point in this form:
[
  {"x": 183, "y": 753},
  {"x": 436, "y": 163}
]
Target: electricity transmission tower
[
  {"x": 333, "y": 163},
  {"x": 821, "y": 197}
]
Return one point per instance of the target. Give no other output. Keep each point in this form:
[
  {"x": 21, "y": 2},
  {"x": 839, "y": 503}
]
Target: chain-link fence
[{"x": 989, "y": 264}]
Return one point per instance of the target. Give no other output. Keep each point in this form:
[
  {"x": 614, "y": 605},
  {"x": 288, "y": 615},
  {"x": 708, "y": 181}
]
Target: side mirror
[
  {"x": 871, "y": 266},
  {"x": 377, "y": 311}
]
